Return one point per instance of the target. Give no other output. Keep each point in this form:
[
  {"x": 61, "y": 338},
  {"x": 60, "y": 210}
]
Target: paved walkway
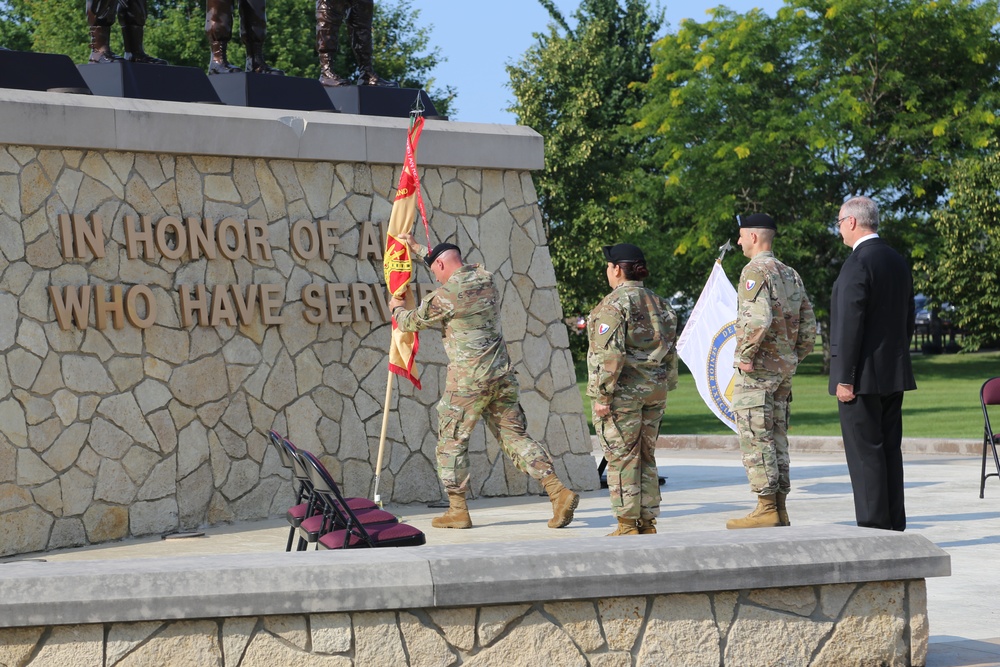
[{"x": 703, "y": 489}]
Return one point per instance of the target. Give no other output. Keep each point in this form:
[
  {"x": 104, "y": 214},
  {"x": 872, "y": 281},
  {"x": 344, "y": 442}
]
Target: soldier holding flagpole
[
  {"x": 775, "y": 330},
  {"x": 480, "y": 382}
]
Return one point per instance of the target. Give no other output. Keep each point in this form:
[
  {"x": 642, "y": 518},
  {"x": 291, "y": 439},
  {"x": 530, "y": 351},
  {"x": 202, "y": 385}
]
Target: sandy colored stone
[
  {"x": 680, "y": 630},
  {"x": 494, "y": 619},
  {"x": 72, "y": 646},
  {"x": 23, "y": 367},
  {"x": 200, "y": 382},
  {"x": 611, "y": 659},
  {"x": 799, "y": 600},
  {"x": 105, "y": 522},
  {"x": 765, "y": 637},
  {"x": 265, "y": 650},
  {"x": 549, "y": 645},
  {"x": 871, "y": 628},
  {"x": 86, "y": 375},
  {"x": 24, "y": 530},
  {"x": 49, "y": 497},
  {"x": 124, "y": 637},
  {"x": 621, "y": 618},
  {"x": 280, "y": 388},
  {"x": 291, "y": 628},
  {"x": 16, "y": 644},
  {"x": 77, "y": 491},
  {"x": 114, "y": 484},
  {"x": 123, "y": 411},
  {"x": 108, "y": 440},
  {"x": 66, "y": 405},
  {"x": 331, "y": 633},
  {"x": 579, "y": 619},
  {"x": 425, "y": 647},
  {"x": 179, "y": 644},
  {"x": 236, "y": 635},
  {"x": 916, "y": 594},
  {"x": 458, "y": 625},
  {"x": 13, "y": 497},
  {"x": 31, "y": 469},
  {"x": 833, "y": 597},
  {"x": 377, "y": 640}
]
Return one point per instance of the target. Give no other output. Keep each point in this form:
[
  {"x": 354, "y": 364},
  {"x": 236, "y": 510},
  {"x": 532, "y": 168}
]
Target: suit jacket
[{"x": 872, "y": 322}]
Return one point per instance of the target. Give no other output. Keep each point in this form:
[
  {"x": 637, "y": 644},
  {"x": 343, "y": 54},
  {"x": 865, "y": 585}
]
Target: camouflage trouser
[
  {"x": 628, "y": 437},
  {"x": 498, "y": 406},
  {"x": 760, "y": 402}
]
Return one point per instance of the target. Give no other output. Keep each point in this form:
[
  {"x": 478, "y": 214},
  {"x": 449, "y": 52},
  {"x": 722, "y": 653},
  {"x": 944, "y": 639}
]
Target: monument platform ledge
[
  {"x": 84, "y": 592},
  {"x": 67, "y": 121}
]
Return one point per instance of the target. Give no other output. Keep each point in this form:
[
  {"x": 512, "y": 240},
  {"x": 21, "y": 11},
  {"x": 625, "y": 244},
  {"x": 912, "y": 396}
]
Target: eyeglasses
[{"x": 840, "y": 220}]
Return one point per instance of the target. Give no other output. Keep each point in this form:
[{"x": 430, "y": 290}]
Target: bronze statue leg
[
  {"x": 359, "y": 24},
  {"x": 253, "y": 28},
  {"x": 329, "y": 17},
  {"x": 219, "y": 29},
  {"x": 100, "y": 18},
  {"x": 132, "y": 19}
]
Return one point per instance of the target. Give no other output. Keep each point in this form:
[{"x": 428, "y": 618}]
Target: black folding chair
[
  {"x": 989, "y": 395},
  {"x": 351, "y": 528},
  {"x": 303, "y": 487}
]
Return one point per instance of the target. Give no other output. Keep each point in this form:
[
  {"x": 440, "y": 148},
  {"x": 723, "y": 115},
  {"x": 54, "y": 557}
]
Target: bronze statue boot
[
  {"x": 132, "y": 36},
  {"x": 370, "y": 78},
  {"x": 219, "y": 62},
  {"x": 255, "y": 61},
  {"x": 327, "y": 76},
  {"x": 100, "y": 49}
]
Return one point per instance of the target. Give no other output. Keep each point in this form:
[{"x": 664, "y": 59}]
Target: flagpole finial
[{"x": 723, "y": 249}]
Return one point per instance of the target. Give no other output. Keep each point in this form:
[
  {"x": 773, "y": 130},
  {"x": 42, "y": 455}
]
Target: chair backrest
[
  {"x": 329, "y": 492},
  {"x": 990, "y": 393}
]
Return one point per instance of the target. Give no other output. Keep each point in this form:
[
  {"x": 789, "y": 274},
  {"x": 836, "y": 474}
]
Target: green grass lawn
[{"x": 945, "y": 404}]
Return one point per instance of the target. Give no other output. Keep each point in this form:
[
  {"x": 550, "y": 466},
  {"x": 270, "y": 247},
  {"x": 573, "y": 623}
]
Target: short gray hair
[{"x": 862, "y": 209}]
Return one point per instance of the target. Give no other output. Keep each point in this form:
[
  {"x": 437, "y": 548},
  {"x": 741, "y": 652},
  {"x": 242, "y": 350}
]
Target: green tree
[
  {"x": 15, "y": 29},
  {"x": 826, "y": 100},
  {"x": 965, "y": 267},
  {"x": 575, "y": 87},
  {"x": 175, "y": 30}
]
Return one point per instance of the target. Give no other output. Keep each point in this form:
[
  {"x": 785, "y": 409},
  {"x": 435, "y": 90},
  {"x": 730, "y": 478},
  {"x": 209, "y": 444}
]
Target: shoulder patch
[
  {"x": 750, "y": 284},
  {"x": 606, "y": 322}
]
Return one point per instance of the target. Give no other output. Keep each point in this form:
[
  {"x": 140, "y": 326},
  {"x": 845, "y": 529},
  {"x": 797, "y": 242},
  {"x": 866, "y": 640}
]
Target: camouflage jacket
[
  {"x": 468, "y": 307},
  {"x": 775, "y": 323},
  {"x": 632, "y": 354}
]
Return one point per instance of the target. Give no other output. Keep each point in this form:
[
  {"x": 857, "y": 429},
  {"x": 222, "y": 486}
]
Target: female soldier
[{"x": 632, "y": 363}]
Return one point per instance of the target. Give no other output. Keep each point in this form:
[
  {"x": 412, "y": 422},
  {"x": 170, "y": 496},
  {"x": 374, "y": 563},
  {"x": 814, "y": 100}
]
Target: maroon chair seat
[
  {"x": 319, "y": 524},
  {"x": 380, "y": 535}
]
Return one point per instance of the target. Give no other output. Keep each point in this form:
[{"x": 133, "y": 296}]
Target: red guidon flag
[{"x": 397, "y": 263}]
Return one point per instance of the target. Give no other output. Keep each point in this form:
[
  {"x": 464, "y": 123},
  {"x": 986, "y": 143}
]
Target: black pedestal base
[
  {"x": 23, "y": 70},
  {"x": 376, "y": 101},
  {"x": 143, "y": 81},
  {"x": 269, "y": 91}
]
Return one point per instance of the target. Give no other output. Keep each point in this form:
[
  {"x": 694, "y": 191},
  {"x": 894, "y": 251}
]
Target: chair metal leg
[{"x": 291, "y": 537}]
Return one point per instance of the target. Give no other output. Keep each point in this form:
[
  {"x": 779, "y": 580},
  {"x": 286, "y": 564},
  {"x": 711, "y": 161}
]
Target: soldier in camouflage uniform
[
  {"x": 631, "y": 364},
  {"x": 775, "y": 330},
  {"x": 480, "y": 382}
]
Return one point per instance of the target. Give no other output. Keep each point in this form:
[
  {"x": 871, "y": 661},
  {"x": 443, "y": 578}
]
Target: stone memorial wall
[{"x": 177, "y": 282}]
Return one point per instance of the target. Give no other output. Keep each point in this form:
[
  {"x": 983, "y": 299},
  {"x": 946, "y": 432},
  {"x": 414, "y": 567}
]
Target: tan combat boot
[
  {"x": 563, "y": 500},
  {"x": 647, "y": 526},
  {"x": 779, "y": 501},
  {"x": 457, "y": 515},
  {"x": 765, "y": 515},
  {"x": 626, "y": 527}
]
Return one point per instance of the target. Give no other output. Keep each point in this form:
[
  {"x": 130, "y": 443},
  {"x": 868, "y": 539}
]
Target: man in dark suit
[{"x": 871, "y": 324}]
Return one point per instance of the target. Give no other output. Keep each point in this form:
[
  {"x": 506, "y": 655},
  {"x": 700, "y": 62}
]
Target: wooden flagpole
[{"x": 381, "y": 440}]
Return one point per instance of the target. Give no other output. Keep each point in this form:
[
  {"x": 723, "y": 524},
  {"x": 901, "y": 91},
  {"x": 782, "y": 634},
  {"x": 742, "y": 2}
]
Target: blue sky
[{"x": 479, "y": 38}]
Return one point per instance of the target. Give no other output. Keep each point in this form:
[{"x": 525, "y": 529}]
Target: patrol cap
[
  {"x": 623, "y": 252},
  {"x": 757, "y": 221},
  {"x": 438, "y": 250}
]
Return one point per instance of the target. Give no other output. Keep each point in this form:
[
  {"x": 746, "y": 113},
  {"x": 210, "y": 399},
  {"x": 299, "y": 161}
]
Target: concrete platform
[{"x": 703, "y": 489}]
